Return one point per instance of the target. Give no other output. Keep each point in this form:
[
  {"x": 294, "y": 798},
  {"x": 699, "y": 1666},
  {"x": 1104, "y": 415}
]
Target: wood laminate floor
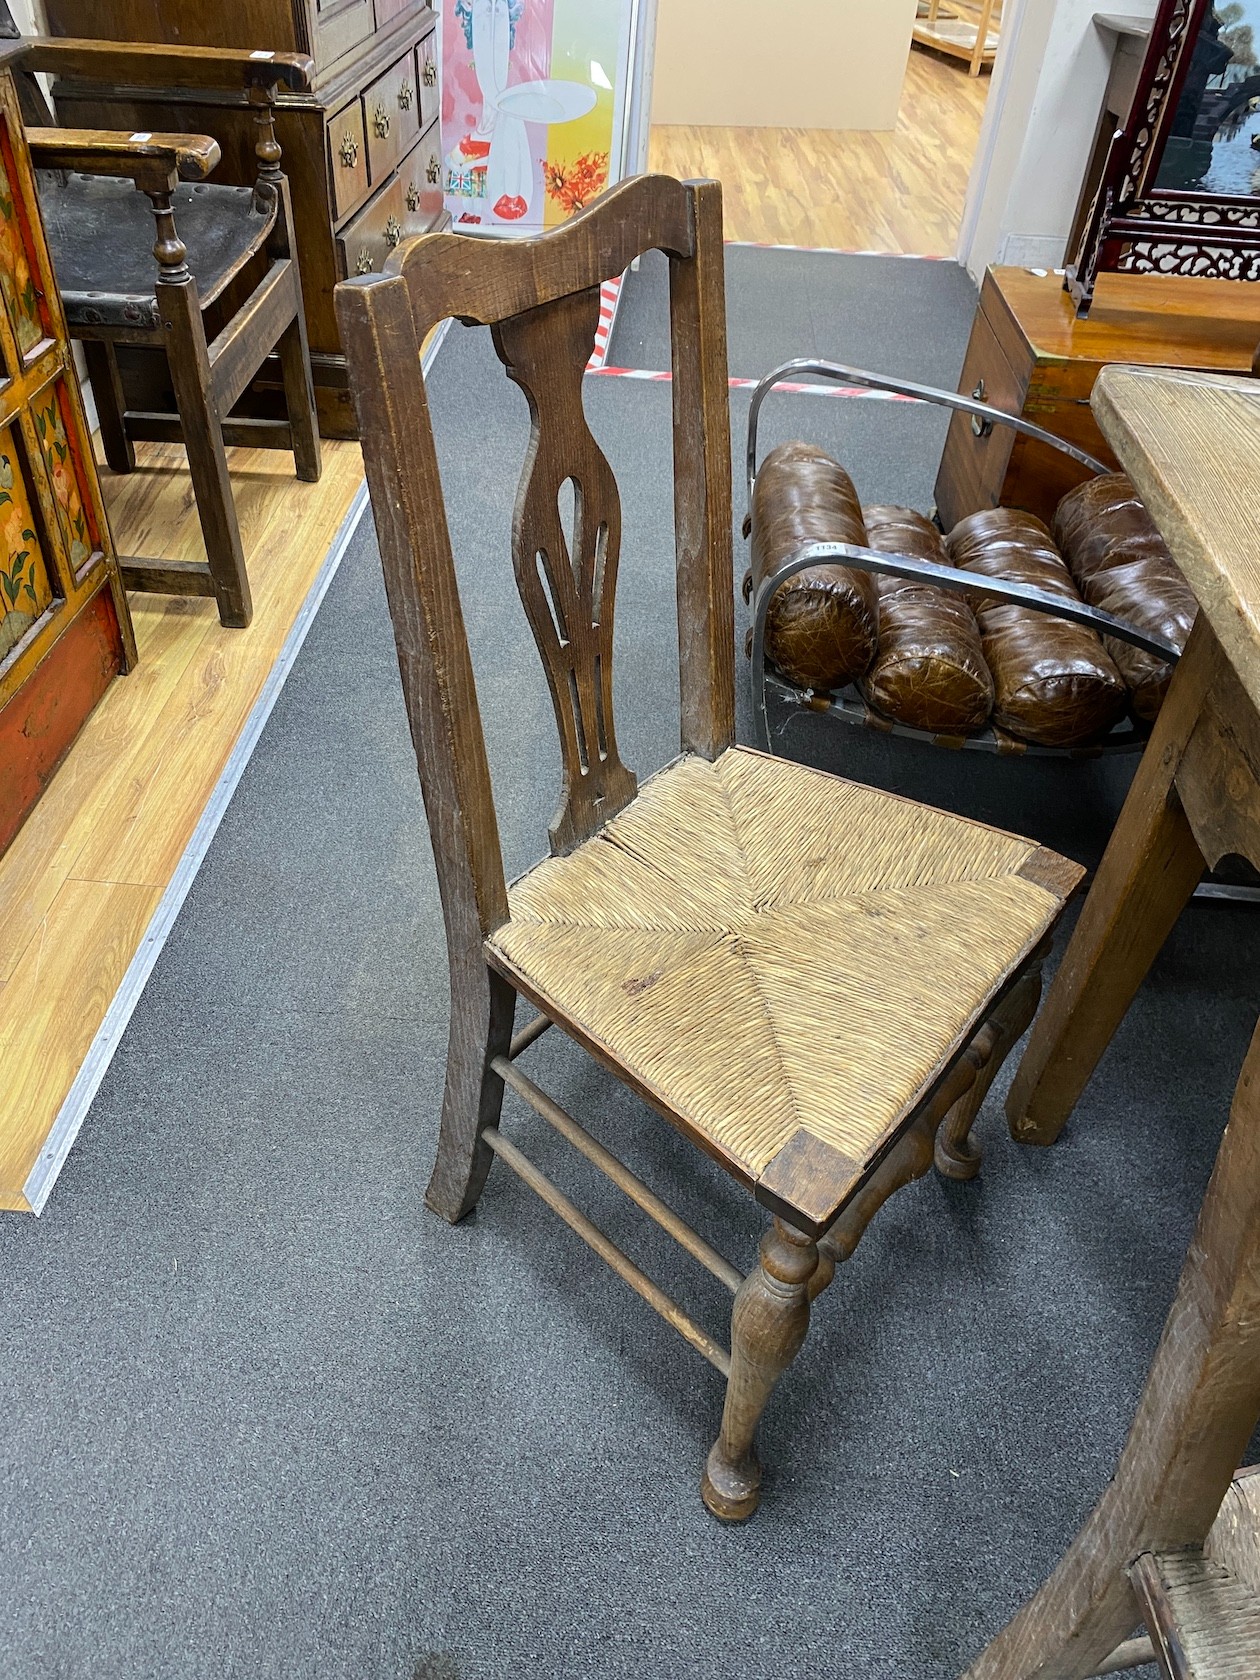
[
  {"x": 82, "y": 882},
  {"x": 900, "y": 190}
]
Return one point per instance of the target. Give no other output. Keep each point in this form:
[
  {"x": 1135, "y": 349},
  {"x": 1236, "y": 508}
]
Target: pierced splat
[{"x": 568, "y": 578}]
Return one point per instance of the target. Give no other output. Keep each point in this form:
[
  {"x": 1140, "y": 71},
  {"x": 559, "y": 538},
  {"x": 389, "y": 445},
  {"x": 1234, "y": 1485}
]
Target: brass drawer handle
[
  {"x": 433, "y": 171},
  {"x": 981, "y": 428},
  {"x": 405, "y": 96},
  {"x": 349, "y": 151},
  {"x": 380, "y": 121},
  {"x": 364, "y": 264},
  {"x": 413, "y": 197},
  {"x": 429, "y": 74},
  {"x": 393, "y": 231}
]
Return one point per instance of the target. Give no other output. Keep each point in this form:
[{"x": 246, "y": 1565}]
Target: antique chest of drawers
[
  {"x": 1030, "y": 355},
  {"x": 361, "y": 149}
]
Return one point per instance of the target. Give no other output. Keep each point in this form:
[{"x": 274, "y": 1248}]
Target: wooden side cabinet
[
  {"x": 1030, "y": 355},
  {"x": 361, "y": 149},
  {"x": 65, "y": 631}
]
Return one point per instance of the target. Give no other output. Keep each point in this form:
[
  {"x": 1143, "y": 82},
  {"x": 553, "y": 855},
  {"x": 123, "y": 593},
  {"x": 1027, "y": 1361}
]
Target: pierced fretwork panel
[{"x": 566, "y": 539}]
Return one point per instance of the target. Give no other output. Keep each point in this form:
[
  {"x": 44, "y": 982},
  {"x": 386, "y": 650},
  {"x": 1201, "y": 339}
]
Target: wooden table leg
[
  {"x": 1197, "y": 1411},
  {"x": 1149, "y": 870}
]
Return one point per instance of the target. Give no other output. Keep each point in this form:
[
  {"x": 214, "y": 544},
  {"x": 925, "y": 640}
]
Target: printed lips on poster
[{"x": 533, "y": 103}]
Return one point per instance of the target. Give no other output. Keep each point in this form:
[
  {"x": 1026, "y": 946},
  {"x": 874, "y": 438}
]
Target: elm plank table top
[{"x": 1191, "y": 444}]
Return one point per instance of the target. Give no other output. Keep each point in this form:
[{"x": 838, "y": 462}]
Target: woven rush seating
[
  {"x": 756, "y": 913},
  {"x": 816, "y": 982}
]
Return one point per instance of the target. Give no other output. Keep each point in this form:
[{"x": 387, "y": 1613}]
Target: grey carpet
[
  {"x": 907, "y": 317},
  {"x": 264, "y": 1416}
]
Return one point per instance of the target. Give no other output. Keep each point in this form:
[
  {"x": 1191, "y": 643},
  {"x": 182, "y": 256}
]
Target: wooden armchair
[
  {"x": 808, "y": 978},
  {"x": 120, "y": 288}
]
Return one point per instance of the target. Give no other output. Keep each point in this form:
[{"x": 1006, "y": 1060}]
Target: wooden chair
[
  {"x": 118, "y": 294},
  {"x": 807, "y": 977}
]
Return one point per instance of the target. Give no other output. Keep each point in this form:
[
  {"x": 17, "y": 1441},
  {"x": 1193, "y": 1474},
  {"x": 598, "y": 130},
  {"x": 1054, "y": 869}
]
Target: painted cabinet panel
[{"x": 65, "y": 631}]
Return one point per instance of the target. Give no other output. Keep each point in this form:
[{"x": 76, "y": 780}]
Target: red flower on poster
[{"x": 574, "y": 185}]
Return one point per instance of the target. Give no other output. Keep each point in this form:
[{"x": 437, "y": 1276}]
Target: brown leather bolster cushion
[
  {"x": 1054, "y": 682},
  {"x": 820, "y": 629},
  {"x": 1121, "y": 565},
  {"x": 929, "y": 669}
]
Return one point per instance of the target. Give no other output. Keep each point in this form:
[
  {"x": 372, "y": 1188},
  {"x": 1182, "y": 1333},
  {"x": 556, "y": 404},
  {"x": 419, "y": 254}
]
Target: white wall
[
  {"x": 781, "y": 63},
  {"x": 1038, "y": 132}
]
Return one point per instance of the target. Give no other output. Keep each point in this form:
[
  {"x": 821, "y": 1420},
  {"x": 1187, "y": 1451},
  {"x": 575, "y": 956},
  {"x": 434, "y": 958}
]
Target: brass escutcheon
[
  {"x": 393, "y": 231},
  {"x": 380, "y": 121},
  {"x": 364, "y": 264},
  {"x": 429, "y": 73},
  {"x": 433, "y": 171},
  {"x": 405, "y": 96},
  {"x": 349, "y": 151},
  {"x": 413, "y": 197}
]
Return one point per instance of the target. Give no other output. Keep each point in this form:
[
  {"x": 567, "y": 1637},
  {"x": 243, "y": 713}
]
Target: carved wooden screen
[
  {"x": 64, "y": 626},
  {"x": 1180, "y": 193}
]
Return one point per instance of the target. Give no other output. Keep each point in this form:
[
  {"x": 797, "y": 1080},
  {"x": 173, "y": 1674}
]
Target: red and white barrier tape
[{"x": 609, "y": 297}]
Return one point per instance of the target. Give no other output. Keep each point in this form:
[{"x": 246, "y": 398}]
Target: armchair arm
[
  {"x": 151, "y": 161},
  {"x": 124, "y": 63}
]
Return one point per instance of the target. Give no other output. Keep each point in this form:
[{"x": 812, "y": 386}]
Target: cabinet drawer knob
[
  {"x": 380, "y": 121},
  {"x": 405, "y": 97},
  {"x": 980, "y": 427},
  {"x": 433, "y": 170},
  {"x": 393, "y": 231},
  {"x": 364, "y": 263},
  {"x": 348, "y": 151},
  {"x": 429, "y": 73}
]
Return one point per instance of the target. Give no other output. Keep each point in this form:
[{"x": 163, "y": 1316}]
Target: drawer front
[
  {"x": 427, "y": 78},
  {"x": 421, "y": 176},
  {"x": 391, "y": 117},
  {"x": 364, "y": 243},
  {"x": 973, "y": 467},
  {"x": 347, "y": 158},
  {"x": 340, "y": 25},
  {"x": 388, "y": 10}
]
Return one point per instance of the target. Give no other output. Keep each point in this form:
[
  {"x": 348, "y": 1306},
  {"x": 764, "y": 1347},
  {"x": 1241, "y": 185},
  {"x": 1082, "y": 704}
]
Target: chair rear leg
[
  {"x": 481, "y": 1029},
  {"x": 299, "y": 397},
  {"x": 768, "y": 1328},
  {"x": 111, "y": 404}
]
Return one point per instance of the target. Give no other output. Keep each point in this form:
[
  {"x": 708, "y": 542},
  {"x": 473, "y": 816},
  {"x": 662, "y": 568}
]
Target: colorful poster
[{"x": 534, "y": 101}]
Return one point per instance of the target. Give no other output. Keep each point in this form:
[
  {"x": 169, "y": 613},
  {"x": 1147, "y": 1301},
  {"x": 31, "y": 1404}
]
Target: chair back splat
[{"x": 541, "y": 297}]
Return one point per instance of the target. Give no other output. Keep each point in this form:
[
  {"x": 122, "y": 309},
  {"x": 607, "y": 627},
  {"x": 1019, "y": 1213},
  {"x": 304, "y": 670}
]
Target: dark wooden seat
[
  {"x": 808, "y": 978},
  {"x": 222, "y": 255},
  {"x": 100, "y": 228}
]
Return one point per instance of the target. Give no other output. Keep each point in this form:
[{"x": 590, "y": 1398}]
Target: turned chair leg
[
  {"x": 957, "y": 1156},
  {"x": 768, "y": 1328},
  {"x": 179, "y": 308},
  {"x": 111, "y": 404},
  {"x": 482, "y": 1007}
]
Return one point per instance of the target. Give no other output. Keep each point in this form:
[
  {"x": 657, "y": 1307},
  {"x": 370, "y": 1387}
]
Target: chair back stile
[{"x": 541, "y": 298}]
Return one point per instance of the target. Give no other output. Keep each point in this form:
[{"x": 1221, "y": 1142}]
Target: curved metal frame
[
  {"x": 902, "y": 388},
  {"x": 926, "y": 571}
]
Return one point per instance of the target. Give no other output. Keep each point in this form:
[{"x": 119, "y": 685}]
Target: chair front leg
[
  {"x": 111, "y": 404},
  {"x": 768, "y": 1328},
  {"x": 179, "y": 308},
  {"x": 957, "y": 1156}
]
